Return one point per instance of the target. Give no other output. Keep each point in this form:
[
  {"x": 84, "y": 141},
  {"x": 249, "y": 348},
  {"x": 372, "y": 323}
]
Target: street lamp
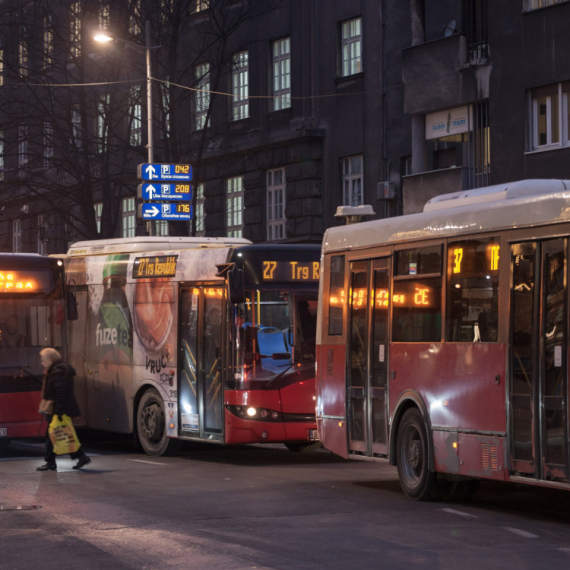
[{"x": 104, "y": 37}]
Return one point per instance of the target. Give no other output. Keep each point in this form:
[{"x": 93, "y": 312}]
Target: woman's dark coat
[{"x": 59, "y": 388}]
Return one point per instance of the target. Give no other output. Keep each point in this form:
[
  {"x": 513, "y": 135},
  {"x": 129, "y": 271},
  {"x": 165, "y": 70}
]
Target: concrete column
[
  {"x": 419, "y": 158},
  {"x": 417, "y": 18}
]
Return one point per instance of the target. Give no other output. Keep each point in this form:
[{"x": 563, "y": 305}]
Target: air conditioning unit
[{"x": 386, "y": 190}]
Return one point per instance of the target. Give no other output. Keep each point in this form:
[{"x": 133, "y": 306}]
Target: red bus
[
  {"x": 200, "y": 339},
  {"x": 442, "y": 343},
  {"x": 31, "y": 318}
]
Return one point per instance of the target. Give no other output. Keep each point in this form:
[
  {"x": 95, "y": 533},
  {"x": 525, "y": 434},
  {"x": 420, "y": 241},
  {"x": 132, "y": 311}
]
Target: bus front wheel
[
  {"x": 151, "y": 426},
  {"x": 412, "y": 458}
]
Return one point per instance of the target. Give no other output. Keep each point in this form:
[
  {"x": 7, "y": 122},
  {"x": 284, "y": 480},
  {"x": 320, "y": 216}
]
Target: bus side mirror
[
  {"x": 71, "y": 301},
  {"x": 236, "y": 285}
]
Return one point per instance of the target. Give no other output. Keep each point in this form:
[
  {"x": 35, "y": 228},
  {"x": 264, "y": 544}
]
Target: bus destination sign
[
  {"x": 159, "y": 191},
  {"x": 156, "y": 266},
  {"x": 14, "y": 282},
  {"x": 291, "y": 270},
  {"x": 170, "y": 212},
  {"x": 165, "y": 172}
]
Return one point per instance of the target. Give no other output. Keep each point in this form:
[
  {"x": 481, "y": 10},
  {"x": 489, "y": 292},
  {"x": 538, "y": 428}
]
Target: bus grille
[{"x": 489, "y": 457}]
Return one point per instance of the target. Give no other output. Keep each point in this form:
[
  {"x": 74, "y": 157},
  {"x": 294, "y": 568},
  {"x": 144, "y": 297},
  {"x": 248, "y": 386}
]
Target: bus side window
[
  {"x": 473, "y": 290},
  {"x": 416, "y": 314},
  {"x": 337, "y": 295}
]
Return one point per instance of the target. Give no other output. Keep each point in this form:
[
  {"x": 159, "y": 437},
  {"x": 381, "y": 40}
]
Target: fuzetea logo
[{"x": 113, "y": 336}]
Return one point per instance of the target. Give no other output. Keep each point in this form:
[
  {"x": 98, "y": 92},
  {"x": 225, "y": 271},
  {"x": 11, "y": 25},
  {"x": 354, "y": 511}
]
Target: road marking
[
  {"x": 460, "y": 513},
  {"x": 520, "y": 532},
  {"x": 149, "y": 462},
  {"x": 567, "y": 550}
]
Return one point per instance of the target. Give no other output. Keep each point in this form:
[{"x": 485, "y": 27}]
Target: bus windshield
[
  {"x": 275, "y": 332},
  {"x": 26, "y": 326}
]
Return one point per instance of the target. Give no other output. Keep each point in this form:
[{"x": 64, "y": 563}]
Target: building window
[
  {"x": 201, "y": 5},
  {"x": 104, "y": 15},
  {"x": 128, "y": 217},
  {"x": 166, "y": 10},
  {"x": 200, "y": 215},
  {"x": 276, "y": 204},
  {"x": 234, "y": 206},
  {"x": 240, "y": 86},
  {"x": 282, "y": 74},
  {"x": 48, "y": 144},
  {"x": 102, "y": 127},
  {"x": 546, "y": 116},
  {"x": 42, "y": 239},
  {"x": 534, "y": 4},
  {"x": 135, "y": 18},
  {"x": 477, "y": 30},
  {"x": 352, "y": 180},
  {"x": 75, "y": 29},
  {"x": 135, "y": 116},
  {"x": 166, "y": 107},
  {"x": 16, "y": 236},
  {"x": 23, "y": 150},
  {"x": 23, "y": 60},
  {"x": 48, "y": 42},
  {"x": 161, "y": 228},
  {"x": 76, "y": 127},
  {"x": 202, "y": 100},
  {"x": 352, "y": 47},
  {"x": 98, "y": 206}
]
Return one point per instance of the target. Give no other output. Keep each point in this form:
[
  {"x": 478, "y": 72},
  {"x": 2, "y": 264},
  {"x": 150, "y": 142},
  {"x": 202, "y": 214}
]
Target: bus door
[
  {"x": 200, "y": 387},
  {"x": 368, "y": 356},
  {"x": 538, "y": 387}
]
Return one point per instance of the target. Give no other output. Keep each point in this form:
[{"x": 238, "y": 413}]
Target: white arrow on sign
[
  {"x": 152, "y": 191},
  {"x": 152, "y": 212},
  {"x": 151, "y": 172}
]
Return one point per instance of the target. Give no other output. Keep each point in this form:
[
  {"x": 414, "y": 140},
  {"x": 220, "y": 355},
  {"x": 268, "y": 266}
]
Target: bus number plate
[
  {"x": 313, "y": 435},
  {"x": 3, "y": 432}
]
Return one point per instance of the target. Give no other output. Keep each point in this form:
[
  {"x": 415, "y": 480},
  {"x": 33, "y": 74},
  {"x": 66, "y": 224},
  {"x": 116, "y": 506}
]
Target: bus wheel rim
[
  {"x": 412, "y": 455},
  {"x": 150, "y": 422}
]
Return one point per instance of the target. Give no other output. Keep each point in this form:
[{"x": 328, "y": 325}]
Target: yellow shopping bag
[{"x": 63, "y": 436}]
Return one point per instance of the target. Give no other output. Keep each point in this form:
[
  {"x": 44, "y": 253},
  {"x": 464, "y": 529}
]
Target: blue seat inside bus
[{"x": 273, "y": 341}]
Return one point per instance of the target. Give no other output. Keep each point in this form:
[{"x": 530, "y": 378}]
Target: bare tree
[{"x": 72, "y": 112}]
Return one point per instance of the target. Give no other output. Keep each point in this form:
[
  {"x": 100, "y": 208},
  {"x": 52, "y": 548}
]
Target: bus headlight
[{"x": 251, "y": 412}]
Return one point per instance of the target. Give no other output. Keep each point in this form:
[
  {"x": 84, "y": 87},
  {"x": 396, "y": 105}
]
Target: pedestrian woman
[{"x": 58, "y": 386}]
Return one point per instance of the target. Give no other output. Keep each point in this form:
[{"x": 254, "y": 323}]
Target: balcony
[
  {"x": 437, "y": 76},
  {"x": 419, "y": 188}
]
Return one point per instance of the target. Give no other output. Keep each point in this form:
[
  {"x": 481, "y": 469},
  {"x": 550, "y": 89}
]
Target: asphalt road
[{"x": 255, "y": 507}]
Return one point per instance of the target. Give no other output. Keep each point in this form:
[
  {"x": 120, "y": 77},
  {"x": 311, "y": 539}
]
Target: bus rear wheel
[
  {"x": 416, "y": 480},
  {"x": 303, "y": 447},
  {"x": 151, "y": 426}
]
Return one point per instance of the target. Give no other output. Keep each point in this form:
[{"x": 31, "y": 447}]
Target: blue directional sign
[
  {"x": 159, "y": 191},
  {"x": 166, "y": 172},
  {"x": 169, "y": 212}
]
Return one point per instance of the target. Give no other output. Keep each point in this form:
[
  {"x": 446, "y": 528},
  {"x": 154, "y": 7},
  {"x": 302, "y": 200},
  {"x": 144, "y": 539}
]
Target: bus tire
[
  {"x": 151, "y": 426},
  {"x": 412, "y": 449},
  {"x": 303, "y": 447}
]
